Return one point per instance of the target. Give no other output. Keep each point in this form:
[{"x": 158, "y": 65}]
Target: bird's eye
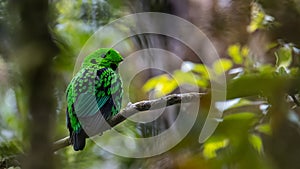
[{"x": 103, "y": 55}]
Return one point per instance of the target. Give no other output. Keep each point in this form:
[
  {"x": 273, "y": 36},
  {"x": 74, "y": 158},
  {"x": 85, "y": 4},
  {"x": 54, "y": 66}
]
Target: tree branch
[
  {"x": 295, "y": 100},
  {"x": 132, "y": 109}
]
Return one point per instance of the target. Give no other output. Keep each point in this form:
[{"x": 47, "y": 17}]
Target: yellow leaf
[
  {"x": 202, "y": 70},
  {"x": 245, "y": 51},
  {"x": 257, "y": 18},
  {"x": 190, "y": 78},
  {"x": 162, "y": 85},
  {"x": 222, "y": 65},
  {"x": 185, "y": 77},
  {"x": 235, "y": 54},
  {"x": 166, "y": 87},
  {"x": 211, "y": 148},
  {"x": 284, "y": 56},
  {"x": 152, "y": 83}
]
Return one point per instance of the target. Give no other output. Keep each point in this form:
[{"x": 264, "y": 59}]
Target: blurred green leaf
[
  {"x": 241, "y": 102},
  {"x": 282, "y": 71},
  {"x": 283, "y": 57},
  {"x": 234, "y": 125},
  {"x": 256, "y": 142},
  {"x": 240, "y": 116},
  {"x": 267, "y": 69},
  {"x": 10, "y": 147},
  {"x": 271, "y": 45},
  {"x": 264, "y": 128},
  {"x": 256, "y": 84},
  {"x": 294, "y": 71}
]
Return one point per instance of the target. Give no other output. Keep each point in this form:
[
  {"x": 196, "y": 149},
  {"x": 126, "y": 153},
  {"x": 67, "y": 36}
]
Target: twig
[
  {"x": 132, "y": 109},
  {"x": 295, "y": 100},
  {"x": 59, "y": 144}
]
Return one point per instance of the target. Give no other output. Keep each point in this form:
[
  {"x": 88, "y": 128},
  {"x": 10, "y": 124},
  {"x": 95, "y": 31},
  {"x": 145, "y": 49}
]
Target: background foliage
[{"x": 258, "y": 44}]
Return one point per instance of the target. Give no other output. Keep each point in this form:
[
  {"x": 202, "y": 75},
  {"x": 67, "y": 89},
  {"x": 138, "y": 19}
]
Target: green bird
[{"x": 94, "y": 96}]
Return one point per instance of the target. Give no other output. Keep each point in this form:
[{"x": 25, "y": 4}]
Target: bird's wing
[
  {"x": 88, "y": 104},
  {"x": 94, "y": 93}
]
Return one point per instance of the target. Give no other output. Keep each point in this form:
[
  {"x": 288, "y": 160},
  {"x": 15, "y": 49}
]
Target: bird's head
[{"x": 106, "y": 57}]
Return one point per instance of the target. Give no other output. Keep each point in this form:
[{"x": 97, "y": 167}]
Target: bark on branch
[{"x": 132, "y": 109}]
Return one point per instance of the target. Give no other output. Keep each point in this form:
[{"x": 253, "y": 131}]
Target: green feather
[{"x": 94, "y": 86}]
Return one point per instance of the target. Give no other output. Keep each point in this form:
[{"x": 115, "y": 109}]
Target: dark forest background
[{"x": 257, "y": 41}]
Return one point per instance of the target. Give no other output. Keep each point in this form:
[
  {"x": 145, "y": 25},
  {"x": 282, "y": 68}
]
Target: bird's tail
[{"x": 78, "y": 140}]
